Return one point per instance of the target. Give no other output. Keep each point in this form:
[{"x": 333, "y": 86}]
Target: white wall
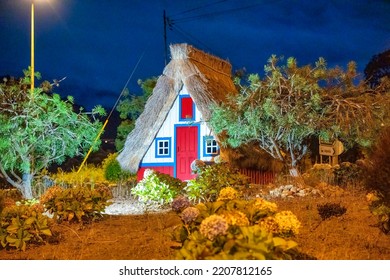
[{"x": 167, "y": 130}]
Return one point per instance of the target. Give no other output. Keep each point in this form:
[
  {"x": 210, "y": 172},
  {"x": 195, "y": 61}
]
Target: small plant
[
  {"x": 22, "y": 224},
  {"x": 236, "y": 229},
  {"x": 347, "y": 174},
  {"x": 113, "y": 171},
  {"x": 89, "y": 175},
  {"x": 319, "y": 173},
  {"x": 238, "y": 243},
  {"x": 283, "y": 223},
  {"x": 76, "y": 204},
  {"x": 377, "y": 169},
  {"x": 329, "y": 210},
  {"x": 380, "y": 210},
  {"x": 211, "y": 179},
  {"x": 9, "y": 197},
  {"x": 228, "y": 193},
  {"x": 157, "y": 188},
  {"x": 180, "y": 203}
]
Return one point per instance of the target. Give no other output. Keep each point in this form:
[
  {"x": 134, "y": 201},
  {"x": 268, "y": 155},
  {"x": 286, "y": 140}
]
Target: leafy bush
[
  {"x": 157, "y": 188},
  {"x": 89, "y": 175},
  {"x": 241, "y": 243},
  {"x": 377, "y": 173},
  {"x": 22, "y": 224},
  {"x": 211, "y": 179},
  {"x": 76, "y": 204},
  {"x": 380, "y": 210},
  {"x": 8, "y": 197},
  {"x": 347, "y": 174},
  {"x": 377, "y": 180},
  {"x": 113, "y": 171},
  {"x": 319, "y": 173},
  {"x": 236, "y": 229}
]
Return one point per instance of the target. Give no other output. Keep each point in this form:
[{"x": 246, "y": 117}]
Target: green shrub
[
  {"x": 347, "y": 174},
  {"x": 211, "y": 179},
  {"x": 76, "y": 204},
  {"x": 236, "y": 229},
  {"x": 113, "y": 171},
  {"x": 377, "y": 179},
  {"x": 157, "y": 188},
  {"x": 22, "y": 224},
  {"x": 90, "y": 175},
  {"x": 377, "y": 172},
  {"x": 240, "y": 243},
  {"x": 9, "y": 197},
  {"x": 319, "y": 173},
  {"x": 380, "y": 210}
]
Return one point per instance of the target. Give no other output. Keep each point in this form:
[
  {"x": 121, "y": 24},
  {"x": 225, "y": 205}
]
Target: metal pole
[{"x": 165, "y": 38}]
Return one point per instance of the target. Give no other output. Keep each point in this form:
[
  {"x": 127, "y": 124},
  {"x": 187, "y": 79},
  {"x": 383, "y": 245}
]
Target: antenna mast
[{"x": 165, "y": 38}]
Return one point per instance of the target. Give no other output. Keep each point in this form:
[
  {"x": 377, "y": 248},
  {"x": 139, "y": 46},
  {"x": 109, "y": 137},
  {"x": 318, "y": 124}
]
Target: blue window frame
[
  {"x": 163, "y": 147},
  {"x": 210, "y": 146}
]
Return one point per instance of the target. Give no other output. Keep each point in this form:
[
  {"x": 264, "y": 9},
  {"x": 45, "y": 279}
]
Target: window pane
[
  {"x": 162, "y": 147},
  {"x": 211, "y": 146}
]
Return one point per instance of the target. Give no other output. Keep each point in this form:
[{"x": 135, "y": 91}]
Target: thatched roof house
[{"x": 204, "y": 77}]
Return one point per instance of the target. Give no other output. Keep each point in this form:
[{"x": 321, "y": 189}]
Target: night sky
[{"x": 96, "y": 44}]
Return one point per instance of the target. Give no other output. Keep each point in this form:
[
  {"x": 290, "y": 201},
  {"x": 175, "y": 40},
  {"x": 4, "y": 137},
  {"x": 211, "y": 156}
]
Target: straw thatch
[{"x": 207, "y": 79}]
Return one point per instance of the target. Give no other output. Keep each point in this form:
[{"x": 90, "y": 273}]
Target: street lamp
[{"x": 32, "y": 48}]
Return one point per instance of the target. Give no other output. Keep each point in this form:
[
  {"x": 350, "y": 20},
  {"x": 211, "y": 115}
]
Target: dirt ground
[{"x": 352, "y": 236}]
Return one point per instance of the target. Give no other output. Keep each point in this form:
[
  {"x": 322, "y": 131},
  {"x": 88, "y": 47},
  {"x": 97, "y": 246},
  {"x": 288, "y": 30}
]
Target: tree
[
  {"x": 378, "y": 68},
  {"x": 130, "y": 108},
  {"x": 291, "y": 104},
  {"x": 39, "y": 129}
]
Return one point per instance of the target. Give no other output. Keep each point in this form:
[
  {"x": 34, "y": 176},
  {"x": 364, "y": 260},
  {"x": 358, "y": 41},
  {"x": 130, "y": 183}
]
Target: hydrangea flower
[
  {"x": 180, "y": 203},
  {"x": 189, "y": 214},
  {"x": 265, "y": 206},
  {"x": 197, "y": 165},
  {"x": 288, "y": 223},
  {"x": 236, "y": 218},
  {"x": 228, "y": 193},
  {"x": 269, "y": 224},
  {"x": 213, "y": 226}
]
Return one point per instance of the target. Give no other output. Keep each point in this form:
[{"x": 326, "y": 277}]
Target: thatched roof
[{"x": 207, "y": 79}]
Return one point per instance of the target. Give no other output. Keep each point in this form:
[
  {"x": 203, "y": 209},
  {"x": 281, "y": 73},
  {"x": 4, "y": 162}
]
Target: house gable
[
  {"x": 171, "y": 134},
  {"x": 190, "y": 73}
]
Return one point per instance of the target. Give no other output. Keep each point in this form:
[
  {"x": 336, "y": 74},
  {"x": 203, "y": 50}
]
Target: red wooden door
[{"x": 186, "y": 151}]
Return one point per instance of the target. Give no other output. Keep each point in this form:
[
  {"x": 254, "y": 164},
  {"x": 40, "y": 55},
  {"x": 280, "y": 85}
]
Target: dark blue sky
[{"x": 97, "y": 43}]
